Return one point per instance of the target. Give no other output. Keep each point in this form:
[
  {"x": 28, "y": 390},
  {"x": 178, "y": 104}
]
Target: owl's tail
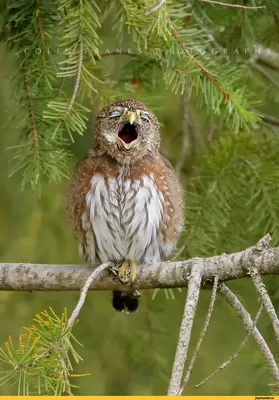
[{"x": 125, "y": 301}]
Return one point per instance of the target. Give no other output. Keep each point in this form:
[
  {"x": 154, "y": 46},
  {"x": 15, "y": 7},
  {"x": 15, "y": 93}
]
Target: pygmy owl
[{"x": 125, "y": 201}]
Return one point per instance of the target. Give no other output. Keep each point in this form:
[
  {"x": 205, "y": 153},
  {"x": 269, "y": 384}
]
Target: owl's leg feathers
[
  {"x": 125, "y": 302},
  {"x": 127, "y": 272}
]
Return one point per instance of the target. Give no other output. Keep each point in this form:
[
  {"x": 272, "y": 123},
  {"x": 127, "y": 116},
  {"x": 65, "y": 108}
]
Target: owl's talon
[
  {"x": 133, "y": 268},
  {"x": 123, "y": 273},
  {"x": 127, "y": 272}
]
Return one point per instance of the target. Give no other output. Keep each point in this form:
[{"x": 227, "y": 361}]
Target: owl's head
[{"x": 127, "y": 129}]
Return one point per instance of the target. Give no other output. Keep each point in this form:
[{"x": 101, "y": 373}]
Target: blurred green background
[{"x": 124, "y": 354}]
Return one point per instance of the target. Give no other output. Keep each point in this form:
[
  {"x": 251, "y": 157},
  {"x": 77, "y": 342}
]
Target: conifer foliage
[
  {"x": 57, "y": 49},
  {"x": 222, "y": 59}
]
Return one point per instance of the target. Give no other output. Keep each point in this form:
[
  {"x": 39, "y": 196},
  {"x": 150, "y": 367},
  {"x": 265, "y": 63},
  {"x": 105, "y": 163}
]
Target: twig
[
  {"x": 84, "y": 291},
  {"x": 32, "y": 117},
  {"x": 76, "y": 87},
  {"x": 269, "y": 119},
  {"x": 201, "y": 336},
  {"x": 77, "y": 309},
  {"x": 235, "y": 355},
  {"x": 248, "y": 325},
  {"x": 41, "y": 30},
  {"x": 232, "y": 5},
  {"x": 70, "y": 324},
  {"x": 68, "y": 389},
  {"x": 266, "y": 56},
  {"x": 186, "y": 328},
  {"x": 257, "y": 280},
  {"x": 155, "y": 8},
  {"x": 262, "y": 71}
]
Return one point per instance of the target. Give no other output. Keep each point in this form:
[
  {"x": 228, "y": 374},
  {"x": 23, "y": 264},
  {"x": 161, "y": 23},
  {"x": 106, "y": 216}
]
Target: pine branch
[{"x": 41, "y": 361}]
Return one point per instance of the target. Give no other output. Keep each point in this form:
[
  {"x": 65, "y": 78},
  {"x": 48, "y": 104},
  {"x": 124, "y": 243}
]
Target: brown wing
[
  {"x": 176, "y": 200},
  {"x": 176, "y": 189},
  {"x": 77, "y": 211}
]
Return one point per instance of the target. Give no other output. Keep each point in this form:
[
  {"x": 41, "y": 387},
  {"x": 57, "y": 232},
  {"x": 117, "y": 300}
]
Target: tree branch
[
  {"x": 232, "y": 5},
  {"x": 249, "y": 326},
  {"x": 84, "y": 291},
  {"x": 235, "y": 355},
  {"x": 45, "y": 277},
  {"x": 269, "y": 119},
  {"x": 257, "y": 280},
  {"x": 201, "y": 336},
  {"x": 186, "y": 328},
  {"x": 155, "y": 8},
  {"x": 266, "y": 56}
]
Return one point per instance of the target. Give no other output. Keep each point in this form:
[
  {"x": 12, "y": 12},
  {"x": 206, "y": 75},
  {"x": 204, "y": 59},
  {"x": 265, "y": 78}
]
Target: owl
[{"x": 125, "y": 201}]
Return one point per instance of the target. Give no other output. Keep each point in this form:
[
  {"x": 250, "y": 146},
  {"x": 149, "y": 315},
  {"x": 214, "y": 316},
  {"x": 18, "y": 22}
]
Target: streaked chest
[{"x": 126, "y": 216}]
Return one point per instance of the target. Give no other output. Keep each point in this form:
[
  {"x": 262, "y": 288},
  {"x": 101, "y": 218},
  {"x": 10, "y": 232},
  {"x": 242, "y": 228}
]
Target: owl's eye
[
  {"x": 115, "y": 114},
  {"x": 145, "y": 116}
]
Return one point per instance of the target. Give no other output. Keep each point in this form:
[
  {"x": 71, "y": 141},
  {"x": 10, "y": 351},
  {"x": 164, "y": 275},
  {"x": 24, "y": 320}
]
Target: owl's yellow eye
[{"x": 115, "y": 114}]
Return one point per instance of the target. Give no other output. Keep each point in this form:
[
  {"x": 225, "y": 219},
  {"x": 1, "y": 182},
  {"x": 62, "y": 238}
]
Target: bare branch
[
  {"x": 234, "y": 356},
  {"x": 84, "y": 291},
  {"x": 264, "y": 72},
  {"x": 155, "y": 8},
  {"x": 266, "y": 301},
  {"x": 232, "y": 5},
  {"x": 201, "y": 336},
  {"x": 269, "y": 119},
  {"x": 186, "y": 328},
  {"x": 266, "y": 56},
  {"x": 248, "y": 325}
]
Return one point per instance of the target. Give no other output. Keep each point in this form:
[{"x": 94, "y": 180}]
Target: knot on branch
[
  {"x": 263, "y": 244},
  {"x": 187, "y": 267},
  {"x": 254, "y": 256}
]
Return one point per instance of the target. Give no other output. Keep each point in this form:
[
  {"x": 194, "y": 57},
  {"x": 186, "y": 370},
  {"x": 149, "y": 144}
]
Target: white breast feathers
[{"x": 125, "y": 216}]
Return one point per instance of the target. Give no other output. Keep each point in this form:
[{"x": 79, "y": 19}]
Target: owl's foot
[{"x": 127, "y": 272}]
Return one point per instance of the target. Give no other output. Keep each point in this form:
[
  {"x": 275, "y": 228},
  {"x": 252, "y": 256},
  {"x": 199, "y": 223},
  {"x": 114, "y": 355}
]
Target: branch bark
[
  {"x": 45, "y": 277},
  {"x": 186, "y": 329},
  {"x": 266, "y": 56},
  {"x": 249, "y": 326}
]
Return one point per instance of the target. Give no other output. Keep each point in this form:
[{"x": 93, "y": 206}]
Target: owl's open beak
[{"x": 128, "y": 133}]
